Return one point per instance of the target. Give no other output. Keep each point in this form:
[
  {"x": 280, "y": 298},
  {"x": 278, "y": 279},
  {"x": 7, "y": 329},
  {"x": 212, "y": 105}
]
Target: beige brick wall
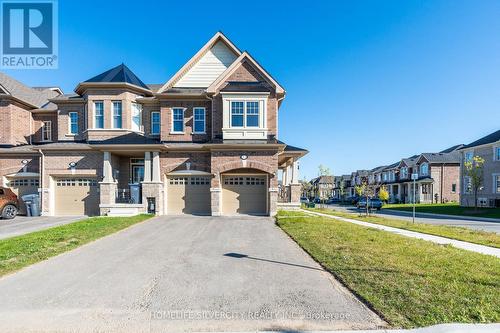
[
  {"x": 63, "y": 122},
  {"x": 444, "y": 177},
  {"x": 12, "y": 164},
  {"x": 172, "y": 161},
  {"x": 38, "y": 119}
]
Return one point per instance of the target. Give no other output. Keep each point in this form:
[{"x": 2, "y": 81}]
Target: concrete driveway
[
  {"x": 23, "y": 224},
  {"x": 182, "y": 274}
]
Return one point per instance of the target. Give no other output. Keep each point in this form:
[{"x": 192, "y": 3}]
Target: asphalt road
[
  {"x": 22, "y": 224},
  {"x": 182, "y": 274},
  {"x": 407, "y": 216}
]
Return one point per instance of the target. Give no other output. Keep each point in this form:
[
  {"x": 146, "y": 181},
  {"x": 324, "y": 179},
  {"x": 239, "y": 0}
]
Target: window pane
[
  {"x": 199, "y": 120},
  {"x": 237, "y": 114},
  {"x": 99, "y": 114},
  {"x": 178, "y": 120},
  {"x": 117, "y": 114},
  {"x": 136, "y": 116},
  {"x": 252, "y": 114},
  {"x": 155, "y": 123},
  {"x": 73, "y": 122}
]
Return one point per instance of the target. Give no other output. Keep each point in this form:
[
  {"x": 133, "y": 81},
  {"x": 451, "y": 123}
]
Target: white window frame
[
  {"x": 139, "y": 107},
  {"x": 172, "y": 131},
  {"x": 70, "y": 123},
  {"x": 245, "y": 114},
  {"x": 44, "y": 123},
  {"x": 113, "y": 114},
  {"x": 426, "y": 171},
  {"x": 404, "y": 173},
  {"x": 95, "y": 115},
  {"x": 204, "y": 120},
  {"x": 496, "y": 153},
  {"x": 471, "y": 152},
  {"x": 152, "y": 123},
  {"x": 495, "y": 187},
  {"x": 467, "y": 180}
]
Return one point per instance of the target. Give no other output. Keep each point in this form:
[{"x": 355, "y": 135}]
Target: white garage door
[
  {"x": 188, "y": 195},
  {"x": 77, "y": 196},
  {"x": 244, "y": 195},
  {"x": 23, "y": 186}
]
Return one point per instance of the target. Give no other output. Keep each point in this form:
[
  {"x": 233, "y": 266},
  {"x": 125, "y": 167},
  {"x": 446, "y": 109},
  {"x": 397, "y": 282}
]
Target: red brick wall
[
  {"x": 166, "y": 120},
  {"x": 63, "y": 122},
  {"x": 172, "y": 161},
  {"x": 38, "y": 120},
  {"x": 12, "y": 164},
  {"x": 15, "y": 123}
]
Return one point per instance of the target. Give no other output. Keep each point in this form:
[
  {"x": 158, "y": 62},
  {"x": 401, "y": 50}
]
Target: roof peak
[{"x": 118, "y": 74}]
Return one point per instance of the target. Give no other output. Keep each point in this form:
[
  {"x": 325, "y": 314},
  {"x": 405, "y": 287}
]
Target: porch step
[{"x": 124, "y": 209}]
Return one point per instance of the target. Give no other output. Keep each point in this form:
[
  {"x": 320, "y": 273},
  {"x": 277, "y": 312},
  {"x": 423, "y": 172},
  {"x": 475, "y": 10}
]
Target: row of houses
[{"x": 440, "y": 177}]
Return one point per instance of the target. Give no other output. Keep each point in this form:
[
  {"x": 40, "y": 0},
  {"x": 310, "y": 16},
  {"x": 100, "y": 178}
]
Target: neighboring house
[
  {"x": 203, "y": 142},
  {"x": 341, "y": 187},
  {"x": 488, "y": 148},
  {"x": 322, "y": 187}
]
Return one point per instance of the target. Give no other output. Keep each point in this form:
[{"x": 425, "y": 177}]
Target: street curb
[{"x": 458, "y": 217}]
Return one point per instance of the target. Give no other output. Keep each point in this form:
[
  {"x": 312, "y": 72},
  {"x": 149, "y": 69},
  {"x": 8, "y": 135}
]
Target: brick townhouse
[
  {"x": 203, "y": 142},
  {"x": 488, "y": 148}
]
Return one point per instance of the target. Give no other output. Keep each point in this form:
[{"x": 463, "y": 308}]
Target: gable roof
[
  {"x": 245, "y": 57},
  {"x": 118, "y": 74},
  {"x": 409, "y": 161},
  {"x": 452, "y": 148},
  {"x": 35, "y": 98},
  {"x": 490, "y": 138},
  {"x": 453, "y": 157},
  {"x": 219, "y": 36}
]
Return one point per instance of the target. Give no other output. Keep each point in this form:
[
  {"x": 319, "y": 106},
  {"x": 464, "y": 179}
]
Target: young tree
[
  {"x": 342, "y": 190},
  {"x": 323, "y": 171},
  {"x": 474, "y": 169},
  {"x": 305, "y": 187},
  {"x": 383, "y": 194},
  {"x": 367, "y": 191}
]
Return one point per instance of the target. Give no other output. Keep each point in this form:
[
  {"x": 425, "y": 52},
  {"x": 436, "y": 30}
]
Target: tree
[
  {"x": 367, "y": 191},
  {"x": 383, "y": 194},
  {"x": 342, "y": 190},
  {"x": 474, "y": 169},
  {"x": 305, "y": 187},
  {"x": 323, "y": 171}
]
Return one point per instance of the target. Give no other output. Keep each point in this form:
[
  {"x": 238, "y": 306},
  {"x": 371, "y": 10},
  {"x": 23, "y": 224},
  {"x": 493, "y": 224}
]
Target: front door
[{"x": 137, "y": 174}]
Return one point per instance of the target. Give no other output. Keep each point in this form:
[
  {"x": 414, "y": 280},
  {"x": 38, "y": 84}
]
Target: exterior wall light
[
  {"x": 244, "y": 157},
  {"x": 72, "y": 165}
]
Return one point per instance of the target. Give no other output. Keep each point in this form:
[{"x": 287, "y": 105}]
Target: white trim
[
  {"x": 94, "y": 114},
  {"x": 494, "y": 183},
  {"x": 113, "y": 114},
  {"x": 132, "y": 124},
  {"x": 172, "y": 120},
  {"x": 43, "y": 129},
  {"x": 189, "y": 173},
  {"x": 204, "y": 119},
  {"x": 69, "y": 123},
  {"x": 159, "y": 123}
]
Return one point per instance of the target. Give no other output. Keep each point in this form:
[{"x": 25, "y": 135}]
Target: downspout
[
  {"x": 211, "y": 116},
  {"x": 42, "y": 171}
]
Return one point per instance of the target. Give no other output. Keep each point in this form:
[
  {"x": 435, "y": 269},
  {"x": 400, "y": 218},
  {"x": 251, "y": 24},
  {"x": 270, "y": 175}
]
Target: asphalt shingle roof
[
  {"x": 35, "y": 97},
  {"x": 490, "y": 138},
  {"x": 453, "y": 157},
  {"x": 246, "y": 87},
  {"x": 119, "y": 74}
]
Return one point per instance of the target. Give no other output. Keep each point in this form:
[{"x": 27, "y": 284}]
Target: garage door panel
[
  {"x": 188, "y": 195},
  {"x": 244, "y": 195},
  {"x": 23, "y": 186},
  {"x": 77, "y": 196}
]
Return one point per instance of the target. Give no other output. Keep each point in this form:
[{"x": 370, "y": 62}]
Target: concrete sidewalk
[
  {"x": 442, "y": 328},
  {"x": 431, "y": 238},
  {"x": 447, "y": 216}
]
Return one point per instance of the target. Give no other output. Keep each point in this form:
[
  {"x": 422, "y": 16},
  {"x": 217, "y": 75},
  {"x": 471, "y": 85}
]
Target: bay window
[
  {"x": 178, "y": 120},
  {"x": 117, "y": 114},
  {"x": 245, "y": 114},
  {"x": 199, "y": 120},
  {"x": 136, "y": 117},
  {"x": 99, "y": 114},
  {"x": 252, "y": 114},
  {"x": 424, "y": 169}
]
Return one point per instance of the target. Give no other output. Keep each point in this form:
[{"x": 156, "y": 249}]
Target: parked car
[
  {"x": 9, "y": 204},
  {"x": 372, "y": 203},
  {"x": 304, "y": 200},
  {"x": 352, "y": 200},
  {"x": 333, "y": 201}
]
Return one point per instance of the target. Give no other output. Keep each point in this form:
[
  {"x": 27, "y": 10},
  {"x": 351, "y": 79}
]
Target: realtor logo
[{"x": 29, "y": 34}]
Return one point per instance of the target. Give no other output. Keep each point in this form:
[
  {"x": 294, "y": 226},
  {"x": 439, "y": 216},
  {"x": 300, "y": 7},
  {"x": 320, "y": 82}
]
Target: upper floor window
[
  {"x": 497, "y": 153},
  {"x": 468, "y": 156},
  {"x": 178, "y": 120},
  {"x": 237, "y": 112},
  {"x": 404, "y": 173},
  {"x": 99, "y": 114},
  {"x": 155, "y": 123},
  {"x": 467, "y": 184},
  {"x": 424, "y": 169},
  {"x": 252, "y": 113},
  {"x": 47, "y": 130},
  {"x": 136, "y": 117},
  {"x": 117, "y": 114},
  {"x": 199, "y": 120},
  {"x": 496, "y": 183},
  {"x": 73, "y": 122}
]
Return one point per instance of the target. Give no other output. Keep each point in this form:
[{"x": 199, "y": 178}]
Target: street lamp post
[{"x": 414, "y": 177}]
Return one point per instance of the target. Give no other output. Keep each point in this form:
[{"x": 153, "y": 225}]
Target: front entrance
[
  {"x": 23, "y": 186},
  {"x": 244, "y": 194},
  {"x": 76, "y": 196},
  {"x": 188, "y": 195}
]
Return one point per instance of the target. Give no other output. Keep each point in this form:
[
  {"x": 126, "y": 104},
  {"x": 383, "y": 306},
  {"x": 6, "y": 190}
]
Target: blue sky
[{"x": 368, "y": 82}]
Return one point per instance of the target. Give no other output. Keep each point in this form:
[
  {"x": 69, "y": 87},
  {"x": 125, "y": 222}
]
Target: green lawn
[
  {"x": 459, "y": 233},
  {"x": 448, "y": 209},
  {"x": 21, "y": 251},
  {"x": 409, "y": 281}
]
